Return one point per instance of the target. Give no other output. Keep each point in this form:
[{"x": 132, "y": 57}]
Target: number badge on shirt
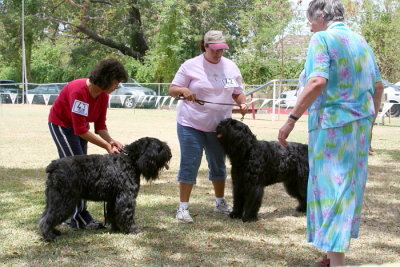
[
  {"x": 230, "y": 83},
  {"x": 80, "y": 108}
]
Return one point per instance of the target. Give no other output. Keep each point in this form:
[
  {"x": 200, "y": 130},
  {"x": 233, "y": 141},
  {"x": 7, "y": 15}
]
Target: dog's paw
[
  {"x": 56, "y": 232},
  {"x": 135, "y": 231},
  {"x": 250, "y": 219},
  {"x": 235, "y": 215},
  {"x": 49, "y": 237},
  {"x": 301, "y": 208}
]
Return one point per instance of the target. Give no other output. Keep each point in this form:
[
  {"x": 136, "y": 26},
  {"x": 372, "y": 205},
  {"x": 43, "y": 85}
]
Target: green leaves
[
  {"x": 152, "y": 37},
  {"x": 379, "y": 26}
]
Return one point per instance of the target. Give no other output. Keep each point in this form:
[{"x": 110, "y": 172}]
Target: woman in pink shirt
[
  {"x": 213, "y": 78},
  {"x": 80, "y": 102}
]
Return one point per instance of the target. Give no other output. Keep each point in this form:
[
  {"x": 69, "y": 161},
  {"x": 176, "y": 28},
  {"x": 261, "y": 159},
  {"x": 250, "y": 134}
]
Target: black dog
[
  {"x": 256, "y": 164},
  {"x": 114, "y": 178}
]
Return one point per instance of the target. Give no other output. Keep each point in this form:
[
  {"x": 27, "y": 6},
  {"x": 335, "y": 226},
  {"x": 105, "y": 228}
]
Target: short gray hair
[{"x": 332, "y": 10}]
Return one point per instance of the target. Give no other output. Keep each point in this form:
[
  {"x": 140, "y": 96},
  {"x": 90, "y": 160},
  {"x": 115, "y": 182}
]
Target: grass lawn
[{"x": 277, "y": 239}]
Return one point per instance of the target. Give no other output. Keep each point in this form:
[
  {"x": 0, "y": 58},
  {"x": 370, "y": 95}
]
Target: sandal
[{"x": 325, "y": 262}]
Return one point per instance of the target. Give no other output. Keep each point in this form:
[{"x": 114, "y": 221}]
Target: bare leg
[
  {"x": 219, "y": 188},
  {"x": 336, "y": 258},
  {"x": 184, "y": 192},
  {"x": 371, "y": 151}
]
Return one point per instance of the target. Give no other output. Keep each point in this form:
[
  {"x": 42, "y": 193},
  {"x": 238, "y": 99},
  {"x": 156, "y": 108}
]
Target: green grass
[{"x": 277, "y": 239}]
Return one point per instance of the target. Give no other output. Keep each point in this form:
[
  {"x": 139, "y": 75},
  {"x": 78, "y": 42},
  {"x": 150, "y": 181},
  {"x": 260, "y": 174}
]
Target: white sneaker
[
  {"x": 223, "y": 207},
  {"x": 183, "y": 215}
]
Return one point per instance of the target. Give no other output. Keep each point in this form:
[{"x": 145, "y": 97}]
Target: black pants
[{"x": 68, "y": 144}]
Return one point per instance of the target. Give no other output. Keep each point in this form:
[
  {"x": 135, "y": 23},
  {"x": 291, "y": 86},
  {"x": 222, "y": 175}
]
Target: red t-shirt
[{"x": 75, "y": 108}]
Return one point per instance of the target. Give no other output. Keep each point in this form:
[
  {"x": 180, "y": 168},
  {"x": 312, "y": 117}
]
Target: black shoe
[
  {"x": 81, "y": 220},
  {"x": 93, "y": 225}
]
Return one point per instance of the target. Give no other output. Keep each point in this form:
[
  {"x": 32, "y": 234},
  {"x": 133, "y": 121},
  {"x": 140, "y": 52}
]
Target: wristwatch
[{"x": 293, "y": 117}]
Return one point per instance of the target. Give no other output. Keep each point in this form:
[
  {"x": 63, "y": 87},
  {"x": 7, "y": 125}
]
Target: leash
[
  {"x": 202, "y": 102},
  {"x": 105, "y": 213}
]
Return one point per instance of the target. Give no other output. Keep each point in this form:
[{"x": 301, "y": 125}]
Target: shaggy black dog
[
  {"x": 114, "y": 178},
  {"x": 256, "y": 164}
]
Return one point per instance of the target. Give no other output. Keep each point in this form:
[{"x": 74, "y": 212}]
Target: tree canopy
[
  {"x": 65, "y": 38},
  {"x": 380, "y": 27}
]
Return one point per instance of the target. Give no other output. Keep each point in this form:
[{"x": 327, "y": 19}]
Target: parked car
[
  {"x": 131, "y": 95},
  {"x": 392, "y": 95},
  {"x": 43, "y": 91},
  {"x": 8, "y": 87},
  {"x": 289, "y": 99}
]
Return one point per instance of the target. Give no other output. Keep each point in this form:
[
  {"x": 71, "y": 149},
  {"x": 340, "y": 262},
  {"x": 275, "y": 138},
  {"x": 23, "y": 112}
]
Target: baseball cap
[{"x": 215, "y": 40}]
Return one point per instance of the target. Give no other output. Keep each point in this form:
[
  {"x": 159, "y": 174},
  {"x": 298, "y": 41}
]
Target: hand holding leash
[
  {"x": 187, "y": 94},
  {"x": 244, "y": 107}
]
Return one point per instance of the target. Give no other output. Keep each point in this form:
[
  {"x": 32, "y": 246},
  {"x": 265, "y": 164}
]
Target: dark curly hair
[
  {"x": 202, "y": 45},
  {"x": 107, "y": 71}
]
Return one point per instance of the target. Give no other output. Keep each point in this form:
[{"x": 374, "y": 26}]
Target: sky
[{"x": 299, "y": 25}]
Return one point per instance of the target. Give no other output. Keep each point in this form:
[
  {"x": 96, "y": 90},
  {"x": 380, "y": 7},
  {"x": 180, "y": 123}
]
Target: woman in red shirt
[{"x": 80, "y": 102}]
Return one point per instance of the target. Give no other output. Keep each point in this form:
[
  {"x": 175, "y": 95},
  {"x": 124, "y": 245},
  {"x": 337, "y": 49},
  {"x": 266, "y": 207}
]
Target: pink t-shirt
[{"x": 210, "y": 82}]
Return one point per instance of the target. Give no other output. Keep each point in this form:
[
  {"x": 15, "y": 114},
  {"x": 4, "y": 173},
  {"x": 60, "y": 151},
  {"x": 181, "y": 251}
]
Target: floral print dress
[{"x": 339, "y": 123}]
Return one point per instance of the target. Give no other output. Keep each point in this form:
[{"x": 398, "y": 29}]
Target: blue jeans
[{"x": 192, "y": 143}]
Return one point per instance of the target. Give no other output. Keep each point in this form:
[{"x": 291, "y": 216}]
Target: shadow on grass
[
  {"x": 381, "y": 206},
  {"x": 213, "y": 239},
  {"x": 394, "y": 154},
  {"x": 277, "y": 239}
]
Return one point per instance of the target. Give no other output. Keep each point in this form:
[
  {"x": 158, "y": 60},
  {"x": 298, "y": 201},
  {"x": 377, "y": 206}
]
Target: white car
[
  {"x": 288, "y": 99},
  {"x": 392, "y": 95}
]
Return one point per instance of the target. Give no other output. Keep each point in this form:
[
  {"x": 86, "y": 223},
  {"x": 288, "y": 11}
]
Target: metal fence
[{"x": 264, "y": 98}]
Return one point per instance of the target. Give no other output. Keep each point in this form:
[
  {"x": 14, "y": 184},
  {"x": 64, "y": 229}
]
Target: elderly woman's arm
[
  {"x": 377, "y": 97},
  {"x": 377, "y": 104},
  {"x": 310, "y": 92}
]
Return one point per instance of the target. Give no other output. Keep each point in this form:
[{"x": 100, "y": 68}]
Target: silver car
[
  {"x": 49, "y": 91},
  {"x": 131, "y": 95}
]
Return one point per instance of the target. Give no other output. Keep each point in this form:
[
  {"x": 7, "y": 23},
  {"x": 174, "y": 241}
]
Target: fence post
[
  {"x": 273, "y": 101},
  {"x": 253, "y": 113}
]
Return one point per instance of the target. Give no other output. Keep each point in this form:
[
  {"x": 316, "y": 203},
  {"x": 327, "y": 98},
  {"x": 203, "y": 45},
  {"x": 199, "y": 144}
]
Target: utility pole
[{"x": 24, "y": 75}]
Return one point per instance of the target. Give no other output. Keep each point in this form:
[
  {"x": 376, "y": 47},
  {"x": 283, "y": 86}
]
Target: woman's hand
[
  {"x": 285, "y": 130},
  {"x": 187, "y": 94},
  {"x": 244, "y": 107},
  {"x": 177, "y": 91},
  {"x": 112, "y": 149},
  {"x": 116, "y": 144},
  {"x": 115, "y": 147}
]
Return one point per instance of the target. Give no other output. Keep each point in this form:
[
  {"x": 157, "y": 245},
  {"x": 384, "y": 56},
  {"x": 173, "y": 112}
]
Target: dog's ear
[
  {"x": 136, "y": 148},
  {"x": 244, "y": 128},
  {"x": 155, "y": 155}
]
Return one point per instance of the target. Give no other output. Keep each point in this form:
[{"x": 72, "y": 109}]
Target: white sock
[
  {"x": 184, "y": 205},
  {"x": 218, "y": 200}
]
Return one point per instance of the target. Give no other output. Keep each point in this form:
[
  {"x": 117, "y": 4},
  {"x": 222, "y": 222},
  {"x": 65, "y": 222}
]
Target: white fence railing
[{"x": 265, "y": 98}]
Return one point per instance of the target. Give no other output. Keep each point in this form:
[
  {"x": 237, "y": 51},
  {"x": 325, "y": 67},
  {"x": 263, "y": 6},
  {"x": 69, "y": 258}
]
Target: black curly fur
[
  {"x": 114, "y": 178},
  {"x": 256, "y": 164}
]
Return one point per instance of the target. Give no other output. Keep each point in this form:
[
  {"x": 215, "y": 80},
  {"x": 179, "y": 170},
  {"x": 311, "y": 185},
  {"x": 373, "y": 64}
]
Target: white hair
[{"x": 331, "y": 10}]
